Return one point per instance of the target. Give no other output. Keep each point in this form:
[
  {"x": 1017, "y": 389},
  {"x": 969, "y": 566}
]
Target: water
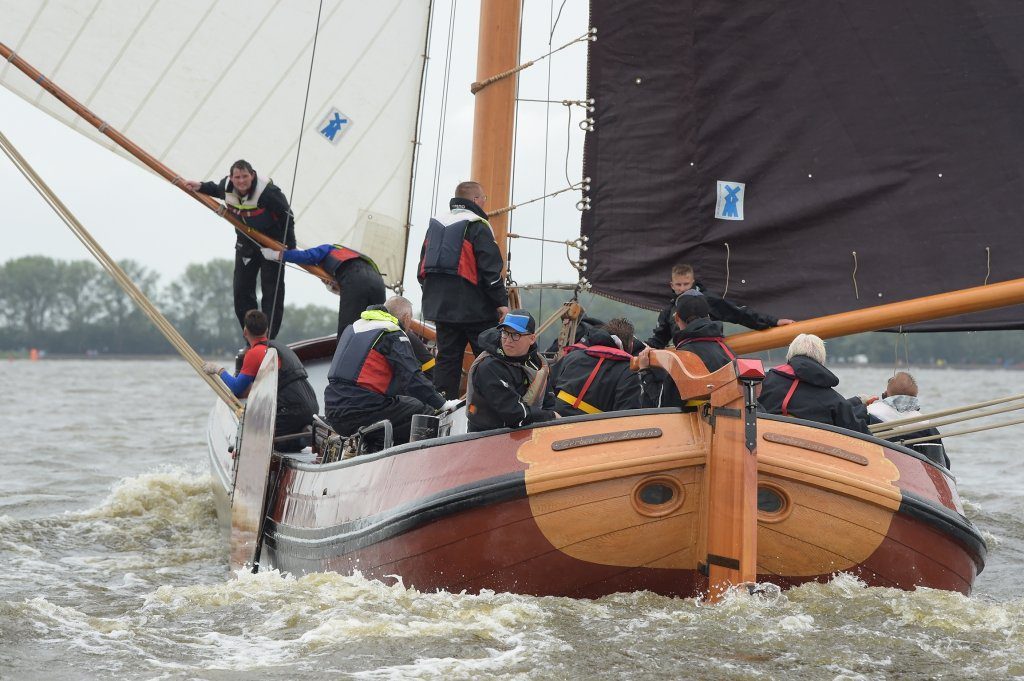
[{"x": 110, "y": 568}]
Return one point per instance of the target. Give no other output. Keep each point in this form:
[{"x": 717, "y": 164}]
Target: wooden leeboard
[{"x": 254, "y": 451}]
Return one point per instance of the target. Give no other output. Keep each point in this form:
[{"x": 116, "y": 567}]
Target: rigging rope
[
  {"x": 547, "y": 130},
  {"x": 439, "y": 152},
  {"x": 892, "y": 425},
  {"x": 119, "y": 275},
  {"x": 913, "y": 427},
  {"x": 274, "y": 312},
  {"x": 582, "y": 185},
  {"x": 476, "y": 87},
  {"x": 856, "y": 292},
  {"x": 728, "y": 257}
]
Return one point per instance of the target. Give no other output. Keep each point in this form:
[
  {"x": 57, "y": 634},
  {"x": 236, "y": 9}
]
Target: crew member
[
  {"x": 401, "y": 309},
  {"x": 805, "y": 389},
  {"x": 296, "y": 400},
  {"x": 595, "y": 378},
  {"x": 374, "y": 376},
  {"x": 720, "y": 309},
  {"x": 899, "y": 401},
  {"x": 261, "y": 205},
  {"x": 460, "y": 272},
  {"x": 508, "y": 382},
  {"x": 695, "y": 332},
  {"x": 359, "y": 284}
]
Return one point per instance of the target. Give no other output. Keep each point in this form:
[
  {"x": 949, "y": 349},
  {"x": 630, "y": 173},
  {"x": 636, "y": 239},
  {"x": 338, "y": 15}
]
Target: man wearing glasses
[{"x": 508, "y": 382}]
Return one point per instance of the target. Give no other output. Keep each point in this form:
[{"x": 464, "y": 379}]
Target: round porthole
[
  {"x": 657, "y": 496},
  {"x": 772, "y": 503}
]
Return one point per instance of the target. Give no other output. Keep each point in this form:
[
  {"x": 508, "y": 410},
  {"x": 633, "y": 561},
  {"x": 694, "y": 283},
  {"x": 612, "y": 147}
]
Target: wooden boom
[
  {"x": 142, "y": 155},
  {"x": 977, "y": 299}
]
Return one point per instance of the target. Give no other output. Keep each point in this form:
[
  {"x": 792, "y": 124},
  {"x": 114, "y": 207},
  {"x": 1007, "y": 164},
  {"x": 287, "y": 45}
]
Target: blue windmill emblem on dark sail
[
  {"x": 333, "y": 126},
  {"x": 729, "y": 205}
]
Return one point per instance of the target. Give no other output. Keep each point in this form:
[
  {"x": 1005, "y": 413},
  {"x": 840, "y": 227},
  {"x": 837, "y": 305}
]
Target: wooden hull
[{"x": 561, "y": 510}]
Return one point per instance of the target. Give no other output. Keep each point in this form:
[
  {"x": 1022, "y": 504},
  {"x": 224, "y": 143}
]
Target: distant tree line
[{"x": 77, "y": 308}]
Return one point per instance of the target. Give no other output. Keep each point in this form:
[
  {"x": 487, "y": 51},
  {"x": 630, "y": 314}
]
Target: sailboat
[{"x": 694, "y": 103}]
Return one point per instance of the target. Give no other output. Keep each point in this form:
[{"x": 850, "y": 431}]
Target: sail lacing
[
  {"x": 476, "y": 87},
  {"x": 118, "y": 274},
  {"x": 856, "y": 292}
]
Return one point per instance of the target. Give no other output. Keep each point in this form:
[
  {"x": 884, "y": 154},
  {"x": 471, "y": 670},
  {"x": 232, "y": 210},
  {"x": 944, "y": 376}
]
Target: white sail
[{"x": 199, "y": 85}]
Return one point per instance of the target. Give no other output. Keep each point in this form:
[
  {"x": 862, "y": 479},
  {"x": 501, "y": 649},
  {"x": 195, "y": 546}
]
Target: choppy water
[{"x": 110, "y": 568}]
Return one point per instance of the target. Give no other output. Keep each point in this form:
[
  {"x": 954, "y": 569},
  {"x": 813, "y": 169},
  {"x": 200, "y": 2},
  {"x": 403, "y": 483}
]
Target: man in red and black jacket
[
  {"x": 357, "y": 277},
  {"x": 296, "y": 400},
  {"x": 463, "y": 290},
  {"x": 260, "y": 204},
  {"x": 595, "y": 378},
  {"x": 374, "y": 376}
]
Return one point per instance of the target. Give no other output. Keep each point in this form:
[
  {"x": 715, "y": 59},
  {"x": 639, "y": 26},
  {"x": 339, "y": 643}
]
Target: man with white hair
[
  {"x": 899, "y": 401},
  {"x": 804, "y": 389},
  {"x": 401, "y": 309}
]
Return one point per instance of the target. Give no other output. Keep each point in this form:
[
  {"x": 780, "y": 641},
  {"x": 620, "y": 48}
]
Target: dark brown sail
[{"x": 873, "y": 151}]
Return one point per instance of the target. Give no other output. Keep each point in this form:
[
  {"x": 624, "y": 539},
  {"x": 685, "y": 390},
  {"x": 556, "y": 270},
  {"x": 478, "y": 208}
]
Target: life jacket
[
  {"x": 709, "y": 339},
  {"x": 446, "y": 249},
  {"x": 534, "y": 395},
  {"x": 357, "y": 360},
  {"x": 246, "y": 208},
  {"x": 787, "y": 371},
  {"x": 289, "y": 372},
  {"x": 339, "y": 255},
  {"x": 601, "y": 353}
]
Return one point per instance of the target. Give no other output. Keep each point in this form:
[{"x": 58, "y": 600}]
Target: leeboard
[{"x": 253, "y": 467}]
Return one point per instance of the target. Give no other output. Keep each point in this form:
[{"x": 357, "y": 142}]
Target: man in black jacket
[
  {"x": 720, "y": 309},
  {"x": 804, "y": 389},
  {"x": 695, "y": 332},
  {"x": 595, "y": 378},
  {"x": 261, "y": 205},
  {"x": 460, "y": 271},
  {"x": 508, "y": 382},
  {"x": 374, "y": 376}
]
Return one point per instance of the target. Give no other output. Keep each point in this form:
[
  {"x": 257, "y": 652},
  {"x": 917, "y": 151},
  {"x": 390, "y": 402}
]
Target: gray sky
[{"x": 134, "y": 214}]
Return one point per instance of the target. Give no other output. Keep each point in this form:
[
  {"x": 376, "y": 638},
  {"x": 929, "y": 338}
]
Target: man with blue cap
[{"x": 508, "y": 382}]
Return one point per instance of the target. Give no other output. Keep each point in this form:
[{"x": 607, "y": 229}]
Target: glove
[
  {"x": 450, "y": 405},
  {"x": 211, "y": 368},
  {"x": 271, "y": 254}
]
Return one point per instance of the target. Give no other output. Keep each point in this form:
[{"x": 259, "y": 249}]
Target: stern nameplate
[
  {"x": 604, "y": 438},
  {"x": 816, "y": 447}
]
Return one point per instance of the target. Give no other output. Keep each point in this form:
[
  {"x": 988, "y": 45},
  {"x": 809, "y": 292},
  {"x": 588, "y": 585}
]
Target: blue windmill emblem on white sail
[
  {"x": 333, "y": 126},
  {"x": 729, "y": 205}
]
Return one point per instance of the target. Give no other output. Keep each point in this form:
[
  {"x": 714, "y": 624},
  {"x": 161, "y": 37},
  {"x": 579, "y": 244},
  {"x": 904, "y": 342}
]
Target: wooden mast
[
  {"x": 494, "y": 116},
  {"x": 143, "y": 156},
  {"x": 977, "y": 299}
]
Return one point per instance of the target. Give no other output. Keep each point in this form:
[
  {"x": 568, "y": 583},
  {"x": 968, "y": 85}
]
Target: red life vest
[
  {"x": 357, "y": 360},
  {"x": 787, "y": 371},
  {"x": 446, "y": 250},
  {"x": 339, "y": 255}
]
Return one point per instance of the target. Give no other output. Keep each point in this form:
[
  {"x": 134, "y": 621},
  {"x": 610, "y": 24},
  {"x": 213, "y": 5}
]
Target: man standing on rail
[{"x": 261, "y": 205}]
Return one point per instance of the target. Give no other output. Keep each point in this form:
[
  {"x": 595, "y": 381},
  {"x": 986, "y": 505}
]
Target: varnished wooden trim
[
  {"x": 815, "y": 447},
  {"x": 604, "y": 438}
]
